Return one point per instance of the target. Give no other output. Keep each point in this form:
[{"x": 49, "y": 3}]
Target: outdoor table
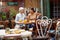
[
  {"x": 24, "y": 35},
  {"x": 13, "y": 22},
  {"x": 6, "y": 22}
]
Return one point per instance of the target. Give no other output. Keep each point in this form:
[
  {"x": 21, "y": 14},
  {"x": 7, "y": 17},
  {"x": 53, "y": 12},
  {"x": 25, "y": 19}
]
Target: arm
[
  {"x": 39, "y": 15},
  {"x": 17, "y": 19}
]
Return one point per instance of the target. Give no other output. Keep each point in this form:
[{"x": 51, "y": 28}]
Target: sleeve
[
  {"x": 39, "y": 15},
  {"x": 17, "y": 19}
]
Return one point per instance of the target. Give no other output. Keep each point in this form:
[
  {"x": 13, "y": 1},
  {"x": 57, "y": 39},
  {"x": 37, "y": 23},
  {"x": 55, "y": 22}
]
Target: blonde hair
[{"x": 21, "y": 8}]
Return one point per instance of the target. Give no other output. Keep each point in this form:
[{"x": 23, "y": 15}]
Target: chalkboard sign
[{"x": 12, "y": 3}]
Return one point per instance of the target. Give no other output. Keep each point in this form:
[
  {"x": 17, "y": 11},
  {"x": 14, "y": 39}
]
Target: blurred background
[{"x": 9, "y": 8}]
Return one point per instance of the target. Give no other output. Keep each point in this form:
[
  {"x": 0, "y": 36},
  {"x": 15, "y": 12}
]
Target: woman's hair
[{"x": 33, "y": 9}]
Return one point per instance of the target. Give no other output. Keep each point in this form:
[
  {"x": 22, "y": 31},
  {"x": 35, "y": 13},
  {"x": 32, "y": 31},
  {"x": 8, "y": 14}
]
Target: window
[{"x": 55, "y": 8}]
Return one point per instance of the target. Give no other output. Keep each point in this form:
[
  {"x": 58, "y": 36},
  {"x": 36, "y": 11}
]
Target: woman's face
[
  {"x": 22, "y": 11},
  {"x": 31, "y": 11}
]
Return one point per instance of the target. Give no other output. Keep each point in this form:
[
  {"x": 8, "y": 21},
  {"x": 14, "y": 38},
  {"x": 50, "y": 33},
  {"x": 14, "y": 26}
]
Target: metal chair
[
  {"x": 58, "y": 30},
  {"x": 43, "y": 26}
]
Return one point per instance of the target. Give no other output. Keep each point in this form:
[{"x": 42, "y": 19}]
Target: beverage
[
  {"x": 20, "y": 20},
  {"x": 25, "y": 20}
]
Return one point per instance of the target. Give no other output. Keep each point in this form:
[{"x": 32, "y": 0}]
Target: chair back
[
  {"x": 43, "y": 26},
  {"x": 58, "y": 26}
]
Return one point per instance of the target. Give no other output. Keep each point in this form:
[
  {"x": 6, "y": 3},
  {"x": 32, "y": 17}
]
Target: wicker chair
[
  {"x": 43, "y": 26},
  {"x": 58, "y": 30}
]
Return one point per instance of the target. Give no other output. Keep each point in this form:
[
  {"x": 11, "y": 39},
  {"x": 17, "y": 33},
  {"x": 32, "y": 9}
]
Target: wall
[
  {"x": 46, "y": 8},
  {"x": 20, "y": 3},
  {"x": 32, "y": 3}
]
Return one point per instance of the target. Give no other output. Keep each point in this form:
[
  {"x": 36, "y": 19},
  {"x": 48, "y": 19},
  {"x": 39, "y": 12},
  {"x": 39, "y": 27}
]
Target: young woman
[{"x": 32, "y": 17}]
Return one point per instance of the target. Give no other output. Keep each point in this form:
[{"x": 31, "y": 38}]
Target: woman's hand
[{"x": 19, "y": 22}]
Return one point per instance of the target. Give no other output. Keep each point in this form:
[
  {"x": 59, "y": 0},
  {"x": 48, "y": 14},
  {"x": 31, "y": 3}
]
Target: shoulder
[
  {"x": 38, "y": 13},
  {"x": 18, "y": 14},
  {"x": 29, "y": 14},
  {"x": 35, "y": 13}
]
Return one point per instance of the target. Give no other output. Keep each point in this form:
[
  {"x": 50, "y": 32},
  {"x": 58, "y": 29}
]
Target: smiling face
[
  {"x": 32, "y": 10},
  {"x": 22, "y": 11}
]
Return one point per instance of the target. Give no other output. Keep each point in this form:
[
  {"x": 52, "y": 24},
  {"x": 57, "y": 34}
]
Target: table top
[{"x": 26, "y": 33}]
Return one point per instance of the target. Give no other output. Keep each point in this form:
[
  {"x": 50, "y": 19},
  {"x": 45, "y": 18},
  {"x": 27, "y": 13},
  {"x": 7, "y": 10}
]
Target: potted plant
[
  {"x": 3, "y": 16},
  {"x": 13, "y": 13}
]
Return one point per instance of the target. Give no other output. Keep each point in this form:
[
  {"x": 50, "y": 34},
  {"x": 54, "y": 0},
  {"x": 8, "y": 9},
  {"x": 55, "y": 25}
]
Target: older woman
[{"x": 20, "y": 17}]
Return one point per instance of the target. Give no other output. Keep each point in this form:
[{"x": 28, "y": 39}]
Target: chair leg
[
  {"x": 1, "y": 39},
  {"x": 30, "y": 37},
  {"x": 25, "y": 38}
]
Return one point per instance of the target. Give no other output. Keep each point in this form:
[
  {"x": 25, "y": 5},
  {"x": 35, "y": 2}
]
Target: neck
[
  {"x": 21, "y": 13},
  {"x": 32, "y": 13}
]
